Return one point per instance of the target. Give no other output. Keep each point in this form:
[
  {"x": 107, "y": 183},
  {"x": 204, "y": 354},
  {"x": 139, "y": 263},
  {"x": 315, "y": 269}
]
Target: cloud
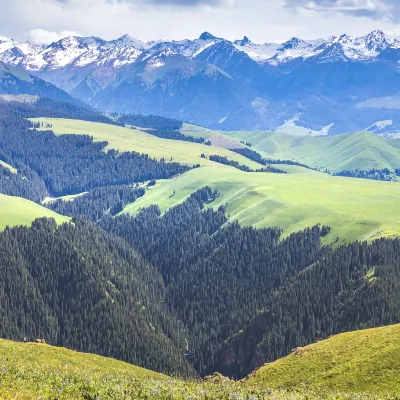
[
  {"x": 184, "y": 3},
  {"x": 379, "y": 9},
  {"x": 41, "y": 36}
]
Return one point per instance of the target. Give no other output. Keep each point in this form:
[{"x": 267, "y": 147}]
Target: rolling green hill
[
  {"x": 17, "y": 211},
  {"x": 39, "y": 371},
  {"x": 126, "y": 139},
  {"x": 349, "y": 151},
  {"x": 354, "y": 208},
  {"x": 363, "y": 362}
]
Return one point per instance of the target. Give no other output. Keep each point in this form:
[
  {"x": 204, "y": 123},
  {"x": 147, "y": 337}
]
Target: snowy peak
[
  {"x": 127, "y": 40},
  {"x": 378, "y": 41},
  {"x": 207, "y": 36},
  {"x": 244, "y": 42},
  {"x": 83, "y": 51},
  {"x": 294, "y": 43}
]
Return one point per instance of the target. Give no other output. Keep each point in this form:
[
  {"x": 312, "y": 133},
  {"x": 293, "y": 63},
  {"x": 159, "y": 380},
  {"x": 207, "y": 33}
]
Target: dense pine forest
[
  {"x": 245, "y": 168},
  {"x": 376, "y": 174},
  {"x": 150, "y": 121},
  {"x": 95, "y": 204},
  {"x": 185, "y": 292},
  {"x": 176, "y": 135},
  {"x": 253, "y": 155},
  {"x": 67, "y": 164}
]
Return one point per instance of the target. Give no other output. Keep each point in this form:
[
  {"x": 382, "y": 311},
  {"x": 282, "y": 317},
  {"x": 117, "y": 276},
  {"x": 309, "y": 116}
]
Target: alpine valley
[
  {"x": 200, "y": 219},
  {"x": 319, "y": 87}
]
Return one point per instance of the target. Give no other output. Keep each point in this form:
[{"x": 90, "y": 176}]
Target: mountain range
[{"x": 316, "y": 87}]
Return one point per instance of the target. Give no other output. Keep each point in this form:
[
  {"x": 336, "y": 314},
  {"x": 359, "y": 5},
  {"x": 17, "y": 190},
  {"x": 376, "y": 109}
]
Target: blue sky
[{"x": 260, "y": 20}]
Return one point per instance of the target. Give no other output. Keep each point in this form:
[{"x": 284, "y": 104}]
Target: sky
[{"x": 44, "y": 21}]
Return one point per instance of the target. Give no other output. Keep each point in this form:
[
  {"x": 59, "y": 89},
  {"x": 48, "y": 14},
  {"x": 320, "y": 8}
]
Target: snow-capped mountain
[
  {"x": 227, "y": 84},
  {"x": 81, "y": 51}
]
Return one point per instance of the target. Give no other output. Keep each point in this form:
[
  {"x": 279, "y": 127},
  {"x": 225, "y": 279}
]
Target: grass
[
  {"x": 362, "y": 362},
  {"x": 8, "y": 166},
  {"x": 354, "y": 208},
  {"x": 43, "y": 372},
  {"x": 126, "y": 139},
  {"x": 360, "y": 150},
  {"x": 70, "y": 197},
  {"x": 17, "y": 211}
]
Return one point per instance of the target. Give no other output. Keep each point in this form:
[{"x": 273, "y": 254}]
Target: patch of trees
[
  {"x": 151, "y": 121},
  {"x": 384, "y": 174},
  {"x": 354, "y": 287},
  {"x": 70, "y": 164},
  {"x": 83, "y": 289},
  {"x": 46, "y": 107},
  {"x": 98, "y": 202},
  {"x": 245, "y": 168},
  {"x": 254, "y": 156},
  {"x": 26, "y": 183},
  {"x": 176, "y": 135},
  {"x": 216, "y": 278},
  {"x": 187, "y": 289}
]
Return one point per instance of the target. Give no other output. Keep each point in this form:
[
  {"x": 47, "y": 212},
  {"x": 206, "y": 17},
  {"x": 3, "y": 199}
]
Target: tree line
[
  {"x": 225, "y": 161},
  {"x": 254, "y": 156}
]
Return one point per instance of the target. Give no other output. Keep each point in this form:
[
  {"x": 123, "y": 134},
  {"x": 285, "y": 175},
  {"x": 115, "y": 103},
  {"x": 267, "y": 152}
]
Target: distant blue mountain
[{"x": 340, "y": 84}]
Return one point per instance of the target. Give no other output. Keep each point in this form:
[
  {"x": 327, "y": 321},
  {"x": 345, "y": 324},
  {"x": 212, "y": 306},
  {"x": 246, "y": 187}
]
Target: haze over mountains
[{"x": 324, "y": 86}]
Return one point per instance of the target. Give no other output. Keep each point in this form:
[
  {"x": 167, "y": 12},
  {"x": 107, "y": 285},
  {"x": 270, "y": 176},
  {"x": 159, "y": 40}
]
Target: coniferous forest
[{"x": 184, "y": 292}]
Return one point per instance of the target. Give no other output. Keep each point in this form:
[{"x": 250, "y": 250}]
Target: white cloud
[
  {"x": 41, "y": 36},
  {"x": 260, "y": 20},
  {"x": 378, "y": 9}
]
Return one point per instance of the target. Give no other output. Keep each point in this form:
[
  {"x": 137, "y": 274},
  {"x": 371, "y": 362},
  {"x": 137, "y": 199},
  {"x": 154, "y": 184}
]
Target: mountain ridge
[{"x": 228, "y": 85}]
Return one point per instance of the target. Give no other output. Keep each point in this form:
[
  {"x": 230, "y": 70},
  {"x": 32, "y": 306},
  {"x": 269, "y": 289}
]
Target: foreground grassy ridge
[
  {"x": 37, "y": 371},
  {"x": 126, "y": 139},
  {"x": 354, "y": 208},
  {"x": 362, "y": 150},
  {"x": 362, "y": 362},
  {"x": 17, "y": 211}
]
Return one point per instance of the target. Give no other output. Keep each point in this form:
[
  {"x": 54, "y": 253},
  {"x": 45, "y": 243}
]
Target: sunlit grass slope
[
  {"x": 360, "y": 150},
  {"x": 126, "y": 139},
  {"x": 363, "y": 361},
  {"x": 17, "y": 211},
  {"x": 41, "y": 372},
  {"x": 354, "y": 208}
]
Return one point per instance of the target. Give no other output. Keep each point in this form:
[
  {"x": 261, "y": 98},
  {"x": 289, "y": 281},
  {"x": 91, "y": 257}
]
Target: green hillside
[
  {"x": 126, "y": 139},
  {"x": 39, "y": 371},
  {"x": 17, "y": 211},
  {"x": 364, "y": 362},
  {"x": 354, "y": 208},
  {"x": 360, "y": 150}
]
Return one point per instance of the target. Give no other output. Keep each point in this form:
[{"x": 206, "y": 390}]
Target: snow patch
[{"x": 290, "y": 127}]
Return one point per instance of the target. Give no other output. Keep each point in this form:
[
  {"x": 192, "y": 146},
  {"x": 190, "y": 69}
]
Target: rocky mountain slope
[{"x": 329, "y": 86}]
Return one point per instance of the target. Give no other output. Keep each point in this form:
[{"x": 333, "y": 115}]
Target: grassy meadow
[
  {"x": 349, "y": 151},
  {"x": 362, "y": 362},
  {"x": 354, "y": 208},
  {"x": 17, "y": 211},
  {"x": 31, "y": 371},
  {"x": 126, "y": 139}
]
